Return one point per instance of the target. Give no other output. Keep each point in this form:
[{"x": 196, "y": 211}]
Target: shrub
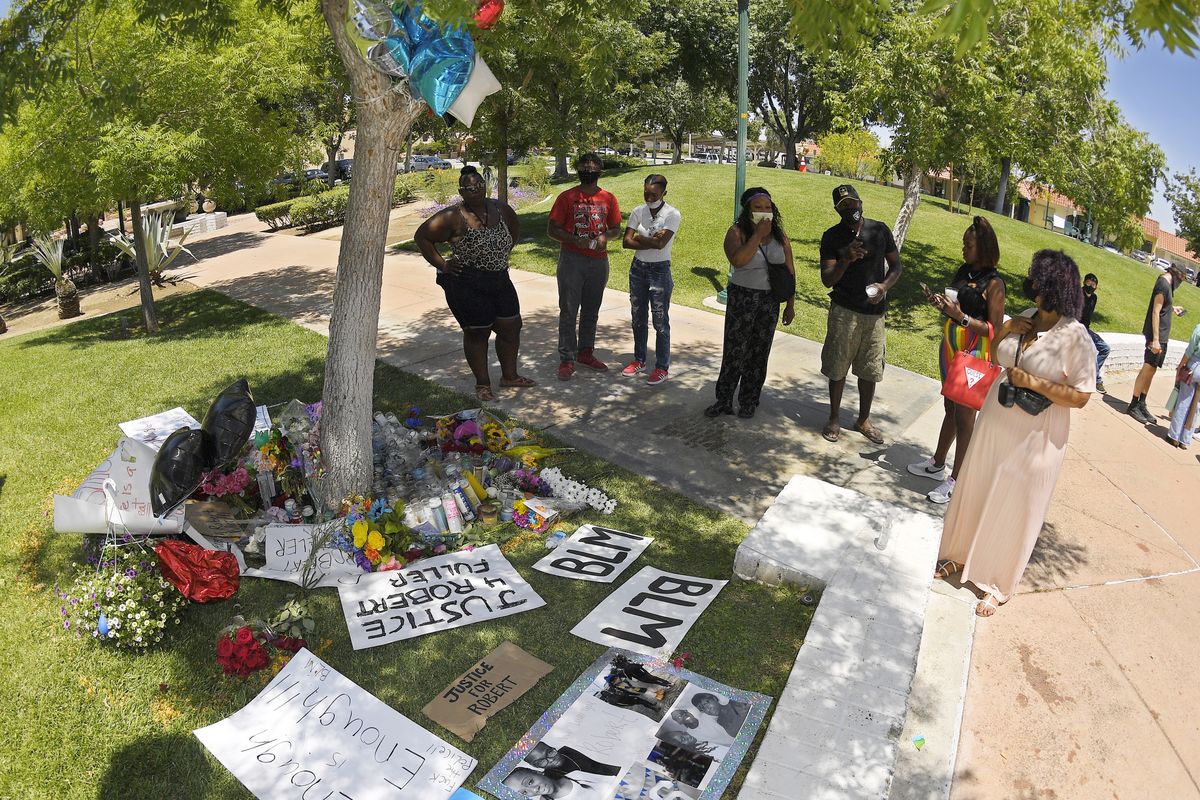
[
  {"x": 23, "y": 278},
  {"x": 614, "y": 161},
  {"x": 407, "y": 188},
  {"x": 537, "y": 178},
  {"x": 441, "y": 184},
  {"x": 276, "y": 215},
  {"x": 321, "y": 210}
]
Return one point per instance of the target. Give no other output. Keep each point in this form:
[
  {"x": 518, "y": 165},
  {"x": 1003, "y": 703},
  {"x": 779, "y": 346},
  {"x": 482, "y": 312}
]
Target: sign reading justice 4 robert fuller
[
  {"x": 650, "y": 612},
  {"x": 313, "y": 733},
  {"x": 435, "y": 594},
  {"x": 594, "y": 553}
]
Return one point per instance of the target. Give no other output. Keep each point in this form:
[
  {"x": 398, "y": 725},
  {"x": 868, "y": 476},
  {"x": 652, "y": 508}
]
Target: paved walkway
[{"x": 1079, "y": 688}]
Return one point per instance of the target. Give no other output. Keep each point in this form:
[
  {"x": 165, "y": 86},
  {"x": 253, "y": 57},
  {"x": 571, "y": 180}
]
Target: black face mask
[
  {"x": 587, "y": 178},
  {"x": 1028, "y": 289},
  {"x": 1088, "y": 289},
  {"x": 851, "y": 216}
]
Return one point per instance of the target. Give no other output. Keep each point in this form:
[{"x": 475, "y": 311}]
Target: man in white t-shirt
[{"x": 650, "y": 231}]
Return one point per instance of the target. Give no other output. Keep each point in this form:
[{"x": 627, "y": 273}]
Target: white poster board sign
[
  {"x": 594, "y": 553},
  {"x": 433, "y": 595},
  {"x": 262, "y": 420},
  {"x": 153, "y": 430},
  {"x": 650, "y": 612},
  {"x": 287, "y": 547},
  {"x": 128, "y": 467},
  {"x": 312, "y": 731}
]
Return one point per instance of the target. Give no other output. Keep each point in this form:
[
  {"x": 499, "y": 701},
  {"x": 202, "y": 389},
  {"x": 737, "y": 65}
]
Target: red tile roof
[{"x": 1175, "y": 245}]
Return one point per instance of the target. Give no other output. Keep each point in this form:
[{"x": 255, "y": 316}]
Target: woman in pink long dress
[{"x": 1008, "y": 477}]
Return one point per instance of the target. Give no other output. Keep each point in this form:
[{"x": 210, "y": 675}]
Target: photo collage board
[{"x": 633, "y": 728}]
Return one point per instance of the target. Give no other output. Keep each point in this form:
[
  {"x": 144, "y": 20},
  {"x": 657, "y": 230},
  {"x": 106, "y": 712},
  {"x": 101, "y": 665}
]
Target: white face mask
[
  {"x": 655, "y": 206},
  {"x": 758, "y": 216}
]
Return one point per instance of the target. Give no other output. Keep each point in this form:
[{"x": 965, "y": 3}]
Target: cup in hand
[{"x": 951, "y": 295}]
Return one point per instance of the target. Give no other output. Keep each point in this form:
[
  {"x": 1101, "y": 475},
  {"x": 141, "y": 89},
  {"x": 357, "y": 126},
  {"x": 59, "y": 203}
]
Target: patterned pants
[{"x": 750, "y": 317}]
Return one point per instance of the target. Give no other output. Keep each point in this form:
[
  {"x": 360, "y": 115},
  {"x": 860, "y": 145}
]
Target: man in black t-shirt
[
  {"x": 1157, "y": 330},
  {"x": 1090, "y": 284},
  {"x": 860, "y": 263}
]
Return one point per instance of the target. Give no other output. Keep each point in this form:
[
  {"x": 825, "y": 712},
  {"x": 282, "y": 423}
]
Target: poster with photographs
[{"x": 633, "y": 727}]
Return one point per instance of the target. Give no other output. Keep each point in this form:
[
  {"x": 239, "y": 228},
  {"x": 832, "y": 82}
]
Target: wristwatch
[{"x": 965, "y": 321}]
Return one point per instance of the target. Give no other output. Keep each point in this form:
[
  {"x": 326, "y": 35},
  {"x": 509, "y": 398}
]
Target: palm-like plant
[
  {"x": 7, "y": 251},
  {"x": 156, "y": 241},
  {"x": 49, "y": 253}
]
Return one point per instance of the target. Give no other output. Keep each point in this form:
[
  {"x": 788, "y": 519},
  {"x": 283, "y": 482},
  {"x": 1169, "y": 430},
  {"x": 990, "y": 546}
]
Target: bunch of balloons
[{"x": 438, "y": 62}]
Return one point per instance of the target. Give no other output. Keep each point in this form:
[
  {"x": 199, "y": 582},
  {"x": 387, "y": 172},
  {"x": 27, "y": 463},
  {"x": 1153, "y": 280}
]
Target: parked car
[
  {"x": 420, "y": 163},
  {"x": 1191, "y": 273},
  {"x": 1162, "y": 264},
  {"x": 289, "y": 178},
  {"x": 345, "y": 168},
  {"x": 1112, "y": 249}
]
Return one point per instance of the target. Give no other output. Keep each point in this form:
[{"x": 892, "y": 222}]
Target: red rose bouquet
[{"x": 241, "y": 651}]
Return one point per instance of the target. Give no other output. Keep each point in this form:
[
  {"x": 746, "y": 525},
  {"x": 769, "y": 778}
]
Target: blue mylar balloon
[
  {"x": 436, "y": 59},
  {"x": 102, "y": 625}
]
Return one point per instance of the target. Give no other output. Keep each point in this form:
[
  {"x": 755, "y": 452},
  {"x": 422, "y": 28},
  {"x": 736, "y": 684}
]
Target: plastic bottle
[
  {"x": 473, "y": 488},
  {"x": 464, "y": 505}
]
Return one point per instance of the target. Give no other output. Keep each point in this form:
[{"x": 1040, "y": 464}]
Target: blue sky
[{"x": 1156, "y": 91}]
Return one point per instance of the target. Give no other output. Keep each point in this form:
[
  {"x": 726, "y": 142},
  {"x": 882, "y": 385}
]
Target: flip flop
[
  {"x": 832, "y": 432},
  {"x": 519, "y": 382},
  {"x": 871, "y": 432},
  {"x": 483, "y": 392}
]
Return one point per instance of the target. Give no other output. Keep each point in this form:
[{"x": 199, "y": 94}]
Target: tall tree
[
  {"x": 676, "y": 109},
  {"x": 1183, "y": 192},
  {"x": 1111, "y": 173},
  {"x": 789, "y": 86}
]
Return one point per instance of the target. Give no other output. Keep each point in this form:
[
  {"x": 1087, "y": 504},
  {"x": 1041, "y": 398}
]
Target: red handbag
[{"x": 969, "y": 377}]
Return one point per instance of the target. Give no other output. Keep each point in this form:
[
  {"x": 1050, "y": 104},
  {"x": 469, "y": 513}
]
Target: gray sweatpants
[{"x": 581, "y": 282}]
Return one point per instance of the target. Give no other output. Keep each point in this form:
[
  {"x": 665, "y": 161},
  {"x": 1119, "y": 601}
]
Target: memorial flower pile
[
  {"x": 123, "y": 600},
  {"x": 375, "y": 535},
  {"x": 564, "y": 487},
  {"x": 241, "y": 650}
]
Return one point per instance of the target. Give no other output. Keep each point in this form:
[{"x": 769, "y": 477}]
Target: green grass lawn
[
  {"x": 82, "y": 720},
  {"x": 704, "y": 195}
]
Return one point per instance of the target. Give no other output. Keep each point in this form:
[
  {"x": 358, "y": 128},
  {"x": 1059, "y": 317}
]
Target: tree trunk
[
  {"x": 502, "y": 160},
  {"x": 789, "y": 151},
  {"x": 912, "y": 199},
  {"x": 560, "y": 165},
  {"x": 333, "y": 171},
  {"x": 407, "y": 153},
  {"x": 1002, "y": 191},
  {"x": 93, "y": 223},
  {"x": 676, "y": 149},
  {"x": 950, "y": 193},
  {"x": 384, "y": 119},
  {"x": 145, "y": 290}
]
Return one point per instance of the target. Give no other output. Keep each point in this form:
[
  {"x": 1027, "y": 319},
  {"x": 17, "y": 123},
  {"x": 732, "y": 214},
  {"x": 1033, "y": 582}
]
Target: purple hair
[{"x": 1057, "y": 279}]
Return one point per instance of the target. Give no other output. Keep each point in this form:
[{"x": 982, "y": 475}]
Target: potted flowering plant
[{"x": 123, "y": 600}]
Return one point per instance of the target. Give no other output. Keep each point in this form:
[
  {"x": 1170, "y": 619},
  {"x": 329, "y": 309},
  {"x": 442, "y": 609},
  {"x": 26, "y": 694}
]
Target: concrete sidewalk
[{"x": 1080, "y": 687}]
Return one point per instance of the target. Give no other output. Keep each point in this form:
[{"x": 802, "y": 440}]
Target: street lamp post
[{"x": 743, "y": 117}]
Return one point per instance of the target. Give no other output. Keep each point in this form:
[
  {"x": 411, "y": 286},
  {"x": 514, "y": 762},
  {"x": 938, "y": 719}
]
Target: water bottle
[{"x": 454, "y": 520}]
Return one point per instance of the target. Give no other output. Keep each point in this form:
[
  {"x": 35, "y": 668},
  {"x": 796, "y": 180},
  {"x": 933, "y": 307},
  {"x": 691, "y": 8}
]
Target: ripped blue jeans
[{"x": 650, "y": 286}]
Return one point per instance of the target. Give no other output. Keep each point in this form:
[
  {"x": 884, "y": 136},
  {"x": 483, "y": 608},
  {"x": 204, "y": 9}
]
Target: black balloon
[
  {"x": 178, "y": 467},
  {"x": 229, "y": 423}
]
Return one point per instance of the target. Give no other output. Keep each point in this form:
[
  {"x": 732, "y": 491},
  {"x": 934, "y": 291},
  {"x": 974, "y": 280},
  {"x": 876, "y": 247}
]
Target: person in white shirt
[{"x": 650, "y": 232}]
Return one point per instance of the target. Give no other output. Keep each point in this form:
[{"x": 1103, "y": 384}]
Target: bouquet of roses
[
  {"x": 245, "y": 647},
  {"x": 233, "y": 487}
]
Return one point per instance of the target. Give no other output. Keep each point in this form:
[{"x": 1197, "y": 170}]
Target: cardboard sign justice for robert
[{"x": 488, "y": 687}]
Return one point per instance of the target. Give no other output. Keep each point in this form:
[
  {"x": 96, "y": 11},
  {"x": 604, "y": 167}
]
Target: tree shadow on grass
[{"x": 173, "y": 765}]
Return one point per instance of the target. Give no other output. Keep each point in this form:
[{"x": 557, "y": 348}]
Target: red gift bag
[
  {"x": 969, "y": 377},
  {"x": 200, "y": 575}
]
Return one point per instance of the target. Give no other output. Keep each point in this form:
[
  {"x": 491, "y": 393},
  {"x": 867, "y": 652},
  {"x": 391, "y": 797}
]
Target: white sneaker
[
  {"x": 941, "y": 494},
  {"x": 927, "y": 469}
]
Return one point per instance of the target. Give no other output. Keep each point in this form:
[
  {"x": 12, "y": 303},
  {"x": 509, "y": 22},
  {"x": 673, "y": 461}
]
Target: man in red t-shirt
[{"x": 582, "y": 220}]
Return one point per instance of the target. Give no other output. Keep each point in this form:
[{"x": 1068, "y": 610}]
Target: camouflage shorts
[{"x": 853, "y": 340}]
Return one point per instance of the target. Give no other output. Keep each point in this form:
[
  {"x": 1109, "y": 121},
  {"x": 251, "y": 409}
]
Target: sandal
[
  {"x": 870, "y": 431},
  {"x": 946, "y": 568},
  {"x": 519, "y": 382},
  {"x": 483, "y": 392},
  {"x": 987, "y": 607},
  {"x": 832, "y": 432}
]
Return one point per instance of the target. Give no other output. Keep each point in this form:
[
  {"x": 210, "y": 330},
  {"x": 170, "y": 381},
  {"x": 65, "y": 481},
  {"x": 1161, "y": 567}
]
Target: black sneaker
[
  {"x": 717, "y": 409},
  {"x": 1141, "y": 414},
  {"x": 1100, "y": 386}
]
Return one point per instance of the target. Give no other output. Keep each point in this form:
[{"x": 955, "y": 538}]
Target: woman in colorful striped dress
[{"x": 974, "y": 310}]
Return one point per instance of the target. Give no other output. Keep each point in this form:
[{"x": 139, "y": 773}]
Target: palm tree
[{"x": 49, "y": 253}]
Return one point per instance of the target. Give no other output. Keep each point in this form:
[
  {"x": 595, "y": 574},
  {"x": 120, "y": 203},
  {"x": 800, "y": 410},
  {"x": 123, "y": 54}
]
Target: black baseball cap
[{"x": 842, "y": 192}]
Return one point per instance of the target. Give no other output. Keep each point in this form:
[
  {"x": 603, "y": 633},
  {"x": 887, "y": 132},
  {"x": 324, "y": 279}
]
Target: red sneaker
[
  {"x": 588, "y": 359},
  {"x": 656, "y": 377},
  {"x": 633, "y": 368},
  {"x": 565, "y": 370}
]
